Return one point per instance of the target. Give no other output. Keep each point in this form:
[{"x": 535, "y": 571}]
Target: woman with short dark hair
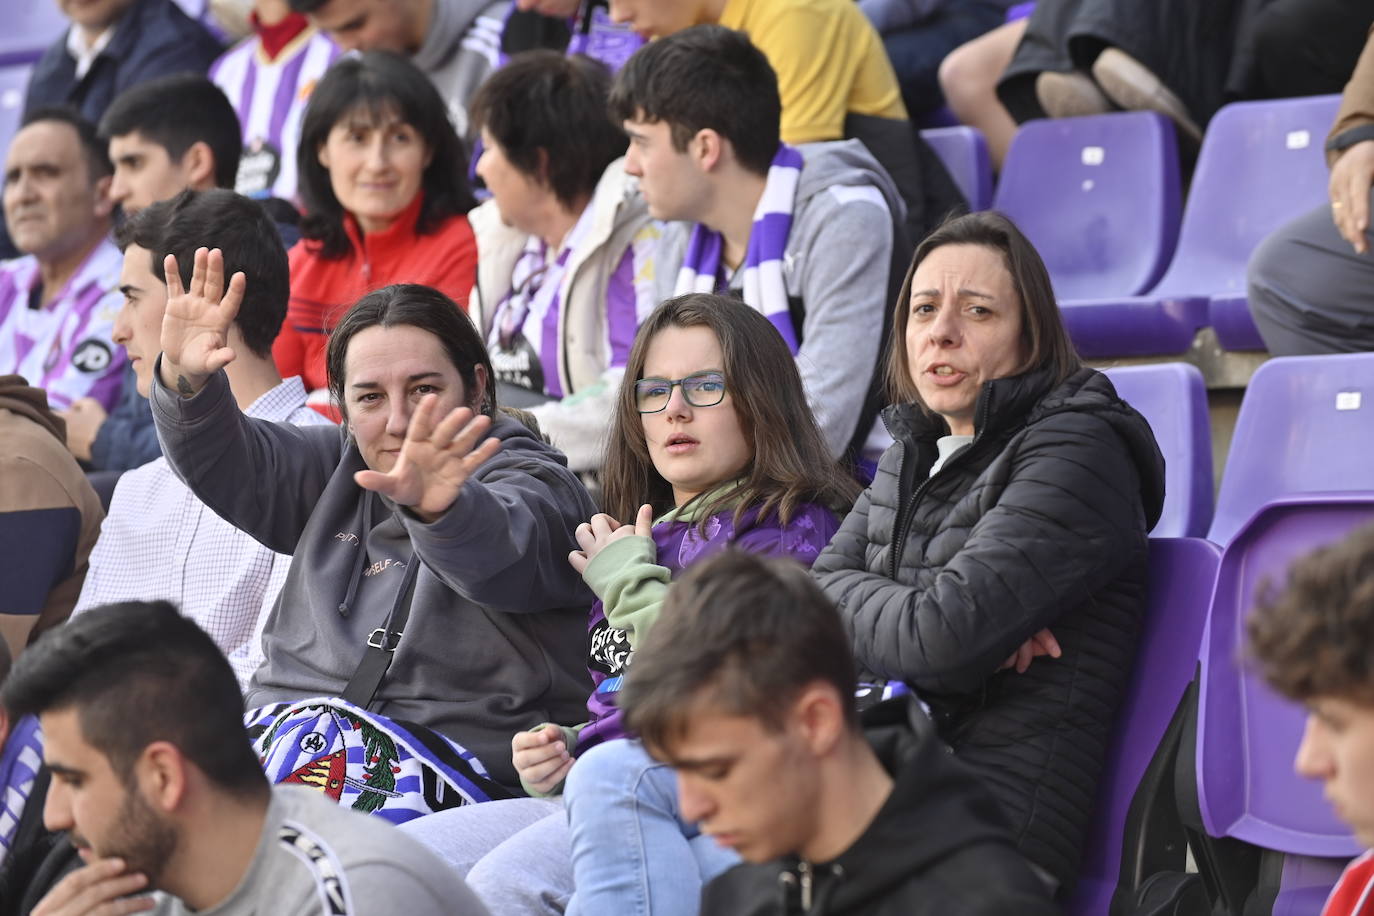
[
  {"x": 385, "y": 197},
  {"x": 566, "y": 245},
  {"x": 1009, "y": 521}
]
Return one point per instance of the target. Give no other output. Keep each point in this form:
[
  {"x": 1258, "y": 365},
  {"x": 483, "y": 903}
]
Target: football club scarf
[
  {"x": 367, "y": 761},
  {"x": 765, "y": 289}
]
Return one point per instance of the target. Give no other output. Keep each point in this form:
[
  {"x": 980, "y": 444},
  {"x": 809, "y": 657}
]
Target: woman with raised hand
[
  {"x": 1009, "y": 522},
  {"x": 385, "y": 196},
  {"x": 431, "y": 526},
  {"x": 712, "y": 447}
]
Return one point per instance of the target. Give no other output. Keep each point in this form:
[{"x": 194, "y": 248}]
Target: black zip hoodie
[{"x": 939, "y": 845}]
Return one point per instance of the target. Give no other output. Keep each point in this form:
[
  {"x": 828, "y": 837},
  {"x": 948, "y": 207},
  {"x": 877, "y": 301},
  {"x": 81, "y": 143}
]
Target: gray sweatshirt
[
  {"x": 462, "y": 46},
  {"x": 496, "y": 641},
  {"x": 836, "y": 266}
]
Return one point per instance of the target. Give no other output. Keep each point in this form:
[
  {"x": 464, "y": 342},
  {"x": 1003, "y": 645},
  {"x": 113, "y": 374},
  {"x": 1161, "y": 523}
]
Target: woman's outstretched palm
[
  {"x": 435, "y": 460},
  {"x": 195, "y": 326}
]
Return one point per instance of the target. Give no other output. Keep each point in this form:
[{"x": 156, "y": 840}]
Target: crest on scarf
[{"x": 367, "y": 761}]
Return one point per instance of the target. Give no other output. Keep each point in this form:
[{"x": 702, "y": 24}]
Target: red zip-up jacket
[{"x": 322, "y": 290}]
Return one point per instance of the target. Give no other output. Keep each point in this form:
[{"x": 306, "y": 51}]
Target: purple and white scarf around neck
[{"x": 765, "y": 289}]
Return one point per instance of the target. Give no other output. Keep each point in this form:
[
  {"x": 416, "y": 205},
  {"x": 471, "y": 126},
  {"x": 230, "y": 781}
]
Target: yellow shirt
[{"x": 829, "y": 60}]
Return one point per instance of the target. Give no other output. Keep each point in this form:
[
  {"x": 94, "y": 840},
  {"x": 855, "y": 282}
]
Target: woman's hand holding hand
[
  {"x": 195, "y": 326},
  {"x": 436, "y": 459},
  {"x": 541, "y": 758},
  {"x": 594, "y": 536},
  {"x": 1042, "y": 643}
]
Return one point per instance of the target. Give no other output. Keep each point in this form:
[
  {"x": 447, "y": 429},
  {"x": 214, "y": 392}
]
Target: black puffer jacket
[
  {"x": 938, "y": 847},
  {"x": 1040, "y": 522}
]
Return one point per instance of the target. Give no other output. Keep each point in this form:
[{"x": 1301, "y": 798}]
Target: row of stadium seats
[
  {"x": 1204, "y": 755},
  {"x": 1136, "y": 273}
]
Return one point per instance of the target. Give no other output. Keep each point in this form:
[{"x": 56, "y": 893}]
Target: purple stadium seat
[
  {"x": 1099, "y": 199},
  {"x": 1246, "y": 734},
  {"x": 1261, "y": 164},
  {"x": 1182, "y": 575},
  {"x": 1173, "y": 398},
  {"x": 965, "y": 153},
  {"x": 14, "y": 79},
  {"x": 30, "y": 26},
  {"x": 1306, "y": 426}
]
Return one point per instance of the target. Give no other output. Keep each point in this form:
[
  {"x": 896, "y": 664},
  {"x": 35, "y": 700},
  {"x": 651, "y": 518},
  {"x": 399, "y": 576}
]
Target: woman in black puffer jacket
[{"x": 1008, "y": 521}]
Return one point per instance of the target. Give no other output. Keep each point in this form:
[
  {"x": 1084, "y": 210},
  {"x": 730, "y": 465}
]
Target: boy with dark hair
[
  {"x": 170, "y": 134},
  {"x": 744, "y": 687},
  {"x": 158, "y": 540},
  {"x": 1312, "y": 642},
  {"x": 811, "y": 238},
  {"x": 155, "y": 780}
]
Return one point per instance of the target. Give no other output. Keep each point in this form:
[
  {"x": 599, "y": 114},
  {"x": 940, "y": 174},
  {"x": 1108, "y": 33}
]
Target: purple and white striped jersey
[
  {"x": 270, "y": 98},
  {"x": 65, "y": 348}
]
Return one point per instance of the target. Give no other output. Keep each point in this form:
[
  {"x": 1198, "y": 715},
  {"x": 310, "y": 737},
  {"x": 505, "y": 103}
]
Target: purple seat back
[
  {"x": 1099, "y": 199},
  {"x": 1261, "y": 164},
  {"x": 1306, "y": 426},
  {"x": 1173, "y": 398},
  {"x": 1246, "y": 734},
  {"x": 1182, "y": 574},
  {"x": 1305, "y": 883},
  {"x": 30, "y": 26},
  {"x": 14, "y": 79},
  {"x": 1133, "y": 325},
  {"x": 965, "y": 154}
]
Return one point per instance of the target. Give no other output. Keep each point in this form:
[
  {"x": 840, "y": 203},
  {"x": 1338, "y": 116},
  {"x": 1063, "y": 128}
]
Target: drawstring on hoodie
[{"x": 359, "y": 558}]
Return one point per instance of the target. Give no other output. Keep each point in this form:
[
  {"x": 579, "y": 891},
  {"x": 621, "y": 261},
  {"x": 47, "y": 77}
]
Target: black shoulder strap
[{"x": 382, "y": 642}]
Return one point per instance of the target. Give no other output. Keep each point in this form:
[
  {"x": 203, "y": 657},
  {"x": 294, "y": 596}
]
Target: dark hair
[
  {"x": 1043, "y": 337},
  {"x": 1315, "y": 637},
  {"x": 238, "y": 227},
  {"x": 307, "y": 6},
  {"x": 744, "y": 633},
  {"x": 791, "y": 464},
  {"x": 705, "y": 77},
  {"x": 176, "y": 112},
  {"x": 421, "y": 307},
  {"x": 547, "y": 111},
  {"x": 379, "y": 83},
  {"x": 92, "y": 147},
  {"x": 136, "y": 673}
]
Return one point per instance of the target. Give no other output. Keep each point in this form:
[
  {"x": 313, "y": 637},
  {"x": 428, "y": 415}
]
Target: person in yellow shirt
[{"x": 834, "y": 78}]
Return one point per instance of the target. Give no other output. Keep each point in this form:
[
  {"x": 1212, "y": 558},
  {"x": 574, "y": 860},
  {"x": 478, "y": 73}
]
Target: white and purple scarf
[{"x": 765, "y": 289}]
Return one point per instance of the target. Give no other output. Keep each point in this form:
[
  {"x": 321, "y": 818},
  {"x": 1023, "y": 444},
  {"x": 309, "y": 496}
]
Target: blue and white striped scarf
[{"x": 765, "y": 289}]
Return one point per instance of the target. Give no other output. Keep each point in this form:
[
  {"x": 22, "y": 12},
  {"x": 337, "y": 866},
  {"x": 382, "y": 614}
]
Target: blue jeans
[
  {"x": 632, "y": 854},
  {"x": 916, "y": 51}
]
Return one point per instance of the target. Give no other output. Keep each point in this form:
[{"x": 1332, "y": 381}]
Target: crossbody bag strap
[{"x": 382, "y": 643}]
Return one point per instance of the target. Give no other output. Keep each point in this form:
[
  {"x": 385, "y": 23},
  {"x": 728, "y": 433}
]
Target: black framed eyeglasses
[{"x": 701, "y": 389}]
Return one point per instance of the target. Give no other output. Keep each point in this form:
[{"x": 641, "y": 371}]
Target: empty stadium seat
[
  {"x": 965, "y": 154},
  {"x": 1306, "y": 426},
  {"x": 14, "y": 79},
  {"x": 1173, "y": 398},
  {"x": 1099, "y": 199},
  {"x": 1247, "y": 736},
  {"x": 30, "y": 26},
  {"x": 1261, "y": 164},
  {"x": 1182, "y": 574}
]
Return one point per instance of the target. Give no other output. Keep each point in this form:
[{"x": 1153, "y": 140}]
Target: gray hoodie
[
  {"x": 496, "y": 641},
  {"x": 836, "y": 266},
  {"x": 462, "y": 46}
]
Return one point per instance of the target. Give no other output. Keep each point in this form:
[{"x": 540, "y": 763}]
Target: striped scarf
[
  {"x": 20, "y": 760},
  {"x": 765, "y": 289}
]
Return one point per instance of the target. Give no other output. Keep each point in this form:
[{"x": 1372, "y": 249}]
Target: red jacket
[{"x": 322, "y": 290}]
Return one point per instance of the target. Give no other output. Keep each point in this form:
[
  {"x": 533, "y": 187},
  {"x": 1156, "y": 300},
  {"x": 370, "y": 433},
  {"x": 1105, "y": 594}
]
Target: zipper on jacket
[
  {"x": 907, "y": 513},
  {"x": 804, "y": 869}
]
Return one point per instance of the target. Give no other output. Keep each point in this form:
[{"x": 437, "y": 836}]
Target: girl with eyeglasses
[{"x": 712, "y": 446}]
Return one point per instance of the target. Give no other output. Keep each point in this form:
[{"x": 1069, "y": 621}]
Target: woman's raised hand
[
  {"x": 594, "y": 536},
  {"x": 195, "y": 326},
  {"x": 436, "y": 459}
]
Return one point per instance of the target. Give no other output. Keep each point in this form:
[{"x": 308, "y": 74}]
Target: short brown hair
[
  {"x": 743, "y": 633},
  {"x": 1044, "y": 339},
  {"x": 1315, "y": 638}
]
